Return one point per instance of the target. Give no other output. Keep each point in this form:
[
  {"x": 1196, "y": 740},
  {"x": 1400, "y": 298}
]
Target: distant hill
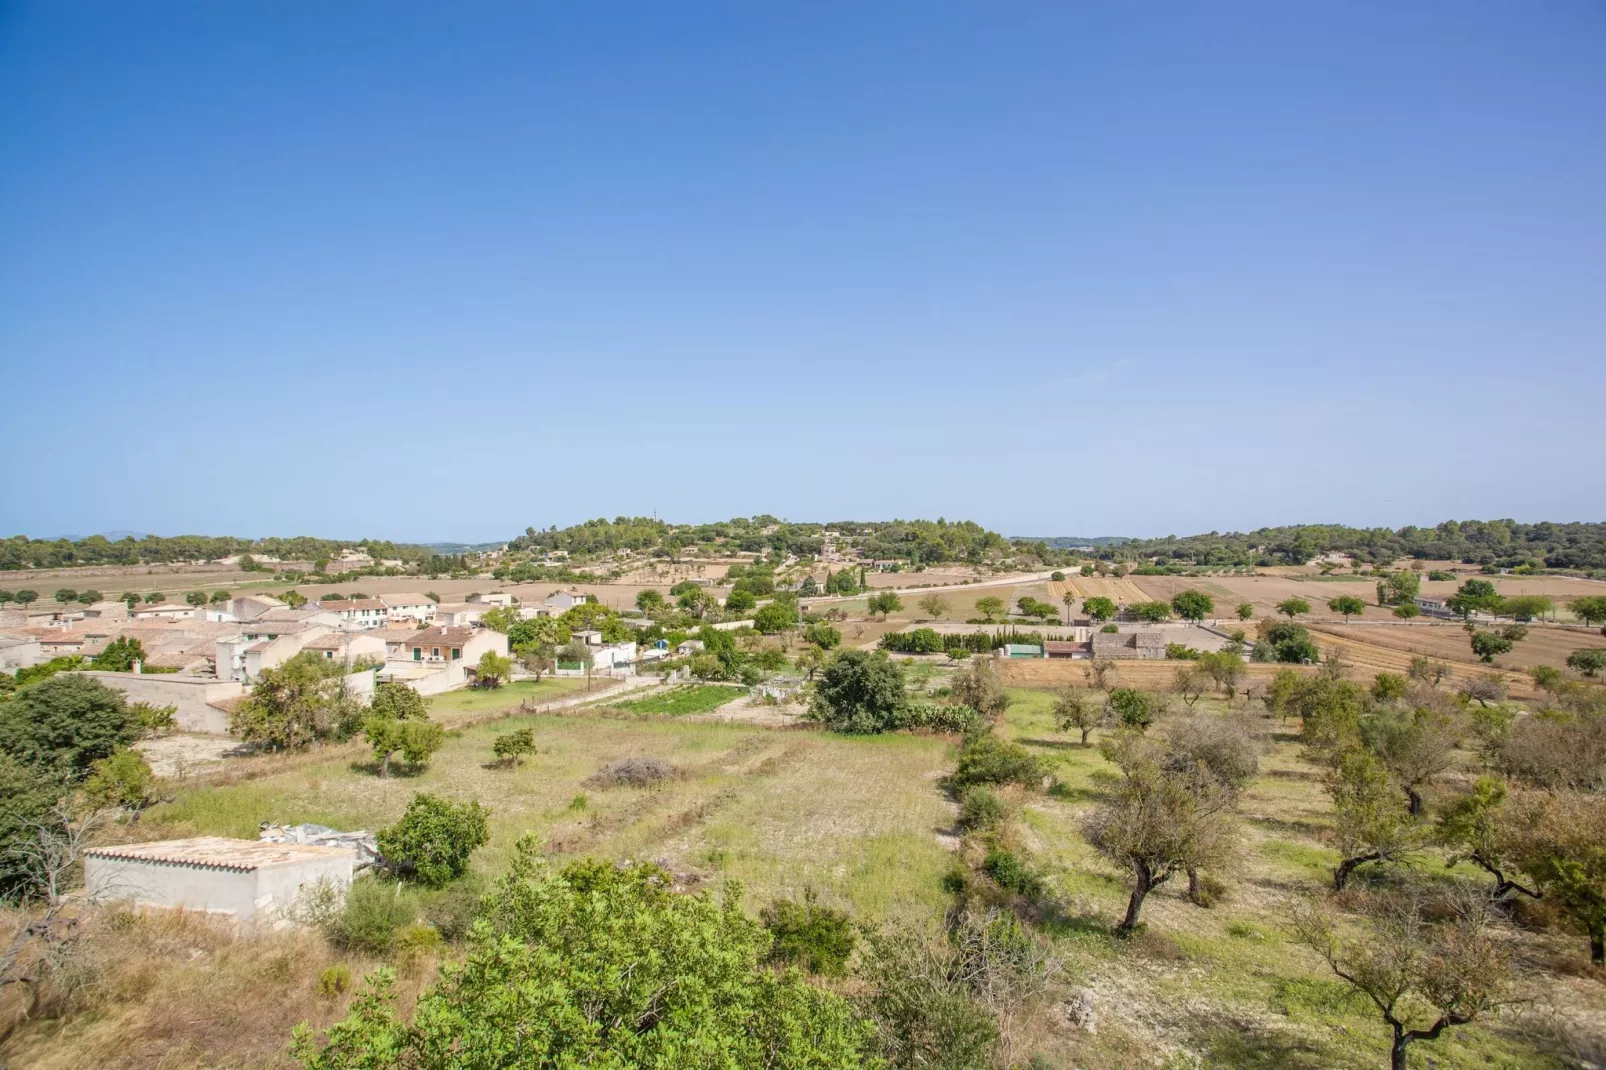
[
  {"x": 453, "y": 548},
  {"x": 1061, "y": 542}
]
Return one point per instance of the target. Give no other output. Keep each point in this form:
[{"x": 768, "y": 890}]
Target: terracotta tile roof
[
  {"x": 218, "y": 852},
  {"x": 406, "y": 598},
  {"x": 1055, "y": 646},
  {"x": 442, "y": 637},
  {"x": 339, "y": 605}
]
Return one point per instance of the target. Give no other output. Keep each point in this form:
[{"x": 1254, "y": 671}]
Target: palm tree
[{"x": 1069, "y": 598}]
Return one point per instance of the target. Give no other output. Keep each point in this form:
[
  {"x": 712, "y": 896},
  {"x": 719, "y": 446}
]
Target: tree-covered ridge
[
  {"x": 916, "y": 541},
  {"x": 21, "y": 552},
  {"x": 1505, "y": 543}
]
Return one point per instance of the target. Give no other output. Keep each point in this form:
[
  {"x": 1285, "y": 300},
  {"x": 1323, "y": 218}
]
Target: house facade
[{"x": 356, "y": 614}]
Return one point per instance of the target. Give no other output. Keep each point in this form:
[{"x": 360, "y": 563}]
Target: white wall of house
[{"x": 251, "y": 897}]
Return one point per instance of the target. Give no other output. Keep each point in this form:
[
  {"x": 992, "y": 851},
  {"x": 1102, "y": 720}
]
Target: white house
[
  {"x": 348, "y": 648},
  {"x": 461, "y": 645},
  {"x": 357, "y": 613},
  {"x": 163, "y": 611},
  {"x": 459, "y": 614},
  {"x": 19, "y": 652},
  {"x": 263, "y": 645},
  {"x": 252, "y": 882},
  {"x": 495, "y": 598},
  {"x": 252, "y": 606},
  {"x": 563, "y": 601},
  {"x": 408, "y": 606},
  {"x": 107, "y": 611}
]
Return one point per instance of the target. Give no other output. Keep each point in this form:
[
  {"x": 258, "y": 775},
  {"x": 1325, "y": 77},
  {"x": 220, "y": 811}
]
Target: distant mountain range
[{"x": 1061, "y": 542}]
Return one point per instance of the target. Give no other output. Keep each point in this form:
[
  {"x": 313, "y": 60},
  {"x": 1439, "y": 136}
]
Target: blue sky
[{"x": 430, "y": 271}]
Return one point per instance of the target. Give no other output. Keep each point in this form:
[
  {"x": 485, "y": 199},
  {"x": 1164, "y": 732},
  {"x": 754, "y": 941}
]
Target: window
[
  {"x": 435, "y": 652},
  {"x": 457, "y": 653},
  {"x": 418, "y": 654}
]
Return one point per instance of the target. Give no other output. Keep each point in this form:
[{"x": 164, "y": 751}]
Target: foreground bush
[{"x": 600, "y": 965}]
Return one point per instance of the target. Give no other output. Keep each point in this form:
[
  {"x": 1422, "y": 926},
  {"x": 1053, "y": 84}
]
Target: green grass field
[
  {"x": 454, "y": 704},
  {"x": 687, "y": 698}
]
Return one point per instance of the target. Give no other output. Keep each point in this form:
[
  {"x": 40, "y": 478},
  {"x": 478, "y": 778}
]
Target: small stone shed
[{"x": 253, "y": 882}]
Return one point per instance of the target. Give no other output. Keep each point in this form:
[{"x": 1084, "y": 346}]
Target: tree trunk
[
  {"x": 1397, "y": 1053},
  {"x": 1134, "y": 905},
  {"x": 1347, "y": 866},
  {"x": 1415, "y": 798},
  {"x": 1597, "y": 945},
  {"x": 384, "y": 764},
  {"x": 1085, "y": 733},
  {"x": 1193, "y": 886}
]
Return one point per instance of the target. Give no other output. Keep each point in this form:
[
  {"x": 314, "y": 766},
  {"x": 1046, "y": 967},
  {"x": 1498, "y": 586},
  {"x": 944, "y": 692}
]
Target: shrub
[
  {"x": 334, "y": 980},
  {"x": 859, "y": 693},
  {"x": 416, "y": 942},
  {"x": 816, "y": 938},
  {"x": 374, "y": 911},
  {"x": 937, "y": 717},
  {"x": 453, "y": 914},
  {"x": 633, "y": 773},
  {"x": 432, "y": 842},
  {"x": 986, "y": 759},
  {"x": 511, "y": 747},
  {"x": 923, "y": 1011},
  {"x": 980, "y": 808},
  {"x": 1011, "y": 874},
  {"x": 1133, "y": 708}
]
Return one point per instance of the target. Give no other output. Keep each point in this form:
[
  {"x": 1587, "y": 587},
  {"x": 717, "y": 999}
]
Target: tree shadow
[
  {"x": 1285, "y": 737},
  {"x": 1056, "y": 744},
  {"x": 1246, "y": 1046},
  {"x": 398, "y": 770},
  {"x": 1056, "y": 920},
  {"x": 1310, "y": 829}
]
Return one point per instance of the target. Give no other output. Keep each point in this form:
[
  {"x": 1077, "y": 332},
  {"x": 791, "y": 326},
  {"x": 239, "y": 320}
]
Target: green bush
[
  {"x": 454, "y": 912},
  {"x": 432, "y": 842},
  {"x": 980, "y": 808},
  {"x": 1006, "y": 868},
  {"x": 986, "y": 759},
  {"x": 937, "y": 717},
  {"x": 816, "y": 938},
  {"x": 599, "y": 964},
  {"x": 375, "y": 910},
  {"x": 334, "y": 980}
]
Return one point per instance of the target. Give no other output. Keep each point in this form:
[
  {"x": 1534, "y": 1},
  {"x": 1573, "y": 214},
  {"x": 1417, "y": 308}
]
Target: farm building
[
  {"x": 254, "y": 883},
  {"x": 1145, "y": 645},
  {"x": 1055, "y": 649},
  {"x": 1433, "y": 607},
  {"x": 1020, "y": 650}
]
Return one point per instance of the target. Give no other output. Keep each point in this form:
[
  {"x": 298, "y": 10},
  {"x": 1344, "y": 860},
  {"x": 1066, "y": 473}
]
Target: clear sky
[{"x": 441, "y": 271}]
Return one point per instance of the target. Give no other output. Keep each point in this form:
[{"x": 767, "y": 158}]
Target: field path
[{"x": 1030, "y": 577}]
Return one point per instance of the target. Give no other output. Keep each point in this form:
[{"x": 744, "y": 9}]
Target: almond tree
[
  {"x": 1457, "y": 969},
  {"x": 1160, "y": 822}
]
